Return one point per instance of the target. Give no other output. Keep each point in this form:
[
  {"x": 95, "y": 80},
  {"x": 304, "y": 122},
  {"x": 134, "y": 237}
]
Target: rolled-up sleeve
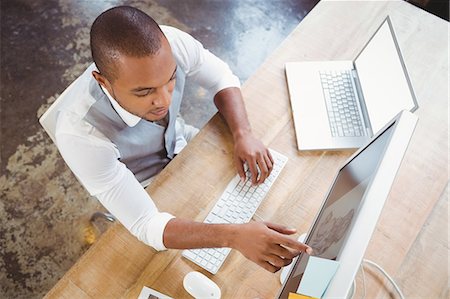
[{"x": 135, "y": 209}]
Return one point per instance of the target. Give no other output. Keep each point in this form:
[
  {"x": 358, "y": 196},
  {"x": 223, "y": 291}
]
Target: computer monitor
[{"x": 346, "y": 220}]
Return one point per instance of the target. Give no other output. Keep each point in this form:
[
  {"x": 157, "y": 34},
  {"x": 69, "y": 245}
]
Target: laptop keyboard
[
  {"x": 237, "y": 204},
  {"x": 343, "y": 113}
]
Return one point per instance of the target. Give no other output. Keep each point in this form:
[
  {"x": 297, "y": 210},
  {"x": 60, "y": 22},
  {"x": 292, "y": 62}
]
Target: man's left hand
[{"x": 259, "y": 160}]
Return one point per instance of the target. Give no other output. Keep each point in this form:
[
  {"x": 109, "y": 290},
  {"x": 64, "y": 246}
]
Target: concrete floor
[{"x": 44, "y": 211}]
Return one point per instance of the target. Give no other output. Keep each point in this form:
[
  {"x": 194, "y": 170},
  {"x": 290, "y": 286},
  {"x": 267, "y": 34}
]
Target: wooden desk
[{"x": 410, "y": 240}]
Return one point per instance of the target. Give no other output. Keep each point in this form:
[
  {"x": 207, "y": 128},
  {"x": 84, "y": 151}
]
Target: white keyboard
[{"x": 237, "y": 204}]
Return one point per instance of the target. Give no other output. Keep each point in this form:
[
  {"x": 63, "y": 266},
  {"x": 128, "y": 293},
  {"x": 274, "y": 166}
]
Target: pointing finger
[{"x": 294, "y": 244}]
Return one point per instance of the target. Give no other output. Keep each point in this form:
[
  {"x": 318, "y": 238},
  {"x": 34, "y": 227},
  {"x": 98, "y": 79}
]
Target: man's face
[{"x": 144, "y": 86}]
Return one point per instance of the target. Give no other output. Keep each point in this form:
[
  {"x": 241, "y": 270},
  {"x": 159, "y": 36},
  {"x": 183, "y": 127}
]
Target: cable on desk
[
  {"x": 386, "y": 275},
  {"x": 364, "y": 280},
  {"x": 370, "y": 263},
  {"x": 353, "y": 289}
]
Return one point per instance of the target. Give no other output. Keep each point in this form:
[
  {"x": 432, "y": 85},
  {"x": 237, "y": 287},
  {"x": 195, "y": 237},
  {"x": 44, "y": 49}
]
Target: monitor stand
[{"x": 285, "y": 270}]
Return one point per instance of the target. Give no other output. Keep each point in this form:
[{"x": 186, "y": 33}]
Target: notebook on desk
[{"x": 339, "y": 104}]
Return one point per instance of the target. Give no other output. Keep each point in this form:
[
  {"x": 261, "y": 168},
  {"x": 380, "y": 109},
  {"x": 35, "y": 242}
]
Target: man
[{"x": 121, "y": 128}]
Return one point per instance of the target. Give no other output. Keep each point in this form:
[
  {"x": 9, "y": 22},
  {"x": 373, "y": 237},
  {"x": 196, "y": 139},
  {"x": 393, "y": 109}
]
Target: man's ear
[{"x": 102, "y": 81}]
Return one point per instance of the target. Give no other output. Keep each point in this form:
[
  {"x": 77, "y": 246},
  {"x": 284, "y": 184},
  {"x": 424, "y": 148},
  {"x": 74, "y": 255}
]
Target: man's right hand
[{"x": 268, "y": 244}]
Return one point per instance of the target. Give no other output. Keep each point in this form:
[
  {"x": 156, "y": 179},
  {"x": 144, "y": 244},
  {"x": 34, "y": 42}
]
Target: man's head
[{"x": 134, "y": 60}]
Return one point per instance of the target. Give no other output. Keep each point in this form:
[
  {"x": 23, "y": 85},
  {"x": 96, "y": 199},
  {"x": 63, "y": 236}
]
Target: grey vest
[{"x": 145, "y": 148}]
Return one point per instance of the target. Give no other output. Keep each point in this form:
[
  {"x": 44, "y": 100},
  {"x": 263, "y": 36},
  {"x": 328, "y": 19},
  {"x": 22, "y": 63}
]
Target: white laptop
[
  {"x": 346, "y": 221},
  {"x": 339, "y": 104}
]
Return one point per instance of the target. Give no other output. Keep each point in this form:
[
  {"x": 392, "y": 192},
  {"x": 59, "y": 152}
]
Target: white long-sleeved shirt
[{"x": 94, "y": 159}]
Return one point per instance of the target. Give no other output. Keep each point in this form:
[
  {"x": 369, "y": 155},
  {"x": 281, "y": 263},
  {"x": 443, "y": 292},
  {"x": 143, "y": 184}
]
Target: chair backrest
[{"x": 48, "y": 119}]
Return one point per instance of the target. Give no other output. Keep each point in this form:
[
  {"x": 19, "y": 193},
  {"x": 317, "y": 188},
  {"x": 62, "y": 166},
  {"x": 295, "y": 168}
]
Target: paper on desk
[
  {"x": 317, "y": 276},
  {"x": 149, "y": 293},
  {"x": 299, "y": 296}
]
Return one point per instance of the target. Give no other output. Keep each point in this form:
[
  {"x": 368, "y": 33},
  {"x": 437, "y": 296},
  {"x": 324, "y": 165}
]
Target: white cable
[
  {"x": 387, "y": 276},
  {"x": 354, "y": 288},
  {"x": 364, "y": 281}
]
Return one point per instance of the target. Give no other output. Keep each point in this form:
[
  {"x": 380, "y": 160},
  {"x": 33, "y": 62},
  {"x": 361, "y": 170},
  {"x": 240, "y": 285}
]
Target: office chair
[{"x": 48, "y": 122}]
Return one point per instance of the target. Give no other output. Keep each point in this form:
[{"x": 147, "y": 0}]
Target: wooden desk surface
[{"x": 410, "y": 240}]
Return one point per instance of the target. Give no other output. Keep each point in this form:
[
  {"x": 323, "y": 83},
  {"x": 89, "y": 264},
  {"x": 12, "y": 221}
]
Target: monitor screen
[{"x": 333, "y": 223}]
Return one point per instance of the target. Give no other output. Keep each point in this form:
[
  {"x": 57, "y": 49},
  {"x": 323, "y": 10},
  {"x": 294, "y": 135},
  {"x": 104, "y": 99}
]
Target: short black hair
[{"x": 122, "y": 30}]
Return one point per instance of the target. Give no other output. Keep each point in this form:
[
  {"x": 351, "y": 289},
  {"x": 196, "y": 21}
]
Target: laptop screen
[
  {"x": 333, "y": 223},
  {"x": 384, "y": 81}
]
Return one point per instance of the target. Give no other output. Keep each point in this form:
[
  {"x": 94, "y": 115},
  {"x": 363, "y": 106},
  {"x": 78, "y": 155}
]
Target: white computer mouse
[{"x": 200, "y": 286}]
